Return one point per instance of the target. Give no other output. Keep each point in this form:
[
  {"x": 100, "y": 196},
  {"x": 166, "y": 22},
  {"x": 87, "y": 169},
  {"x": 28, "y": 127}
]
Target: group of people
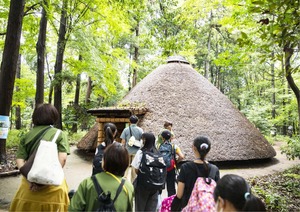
[{"x": 116, "y": 166}]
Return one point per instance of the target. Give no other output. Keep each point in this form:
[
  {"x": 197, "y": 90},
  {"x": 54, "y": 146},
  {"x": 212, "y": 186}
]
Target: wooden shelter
[{"x": 118, "y": 116}]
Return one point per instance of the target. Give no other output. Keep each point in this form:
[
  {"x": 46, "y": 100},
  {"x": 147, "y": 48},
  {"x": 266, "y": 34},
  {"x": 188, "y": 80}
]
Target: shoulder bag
[{"x": 46, "y": 168}]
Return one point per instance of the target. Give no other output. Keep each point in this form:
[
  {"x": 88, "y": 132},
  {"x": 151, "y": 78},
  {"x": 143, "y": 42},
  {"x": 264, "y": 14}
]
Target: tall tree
[
  {"x": 61, "y": 44},
  {"x": 18, "y": 108},
  {"x": 273, "y": 18},
  {"x": 40, "y": 49},
  {"x": 9, "y": 62}
]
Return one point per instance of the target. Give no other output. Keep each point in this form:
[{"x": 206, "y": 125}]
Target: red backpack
[{"x": 202, "y": 198}]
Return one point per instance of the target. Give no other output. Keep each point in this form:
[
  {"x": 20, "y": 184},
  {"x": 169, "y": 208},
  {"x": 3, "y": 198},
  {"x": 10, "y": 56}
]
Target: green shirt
[
  {"x": 30, "y": 141},
  {"x": 85, "y": 198}
]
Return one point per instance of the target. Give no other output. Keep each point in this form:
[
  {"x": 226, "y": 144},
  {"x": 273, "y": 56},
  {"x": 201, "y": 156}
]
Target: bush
[
  {"x": 13, "y": 138},
  {"x": 74, "y": 138},
  {"x": 292, "y": 149},
  {"x": 280, "y": 191}
]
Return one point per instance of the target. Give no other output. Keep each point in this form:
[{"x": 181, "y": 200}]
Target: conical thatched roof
[{"x": 176, "y": 92}]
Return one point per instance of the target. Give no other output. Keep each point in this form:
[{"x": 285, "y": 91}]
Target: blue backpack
[{"x": 168, "y": 153}]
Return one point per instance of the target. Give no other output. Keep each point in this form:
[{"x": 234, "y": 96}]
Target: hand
[{"x": 36, "y": 186}]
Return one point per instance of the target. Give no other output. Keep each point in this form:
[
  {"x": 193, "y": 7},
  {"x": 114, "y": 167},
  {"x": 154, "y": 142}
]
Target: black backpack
[
  {"x": 97, "y": 161},
  {"x": 106, "y": 203},
  {"x": 152, "y": 171}
]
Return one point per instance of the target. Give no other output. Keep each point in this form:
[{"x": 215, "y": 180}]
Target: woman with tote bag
[{"x": 32, "y": 196}]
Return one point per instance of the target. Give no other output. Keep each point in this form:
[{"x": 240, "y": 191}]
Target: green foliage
[
  {"x": 279, "y": 191},
  {"x": 292, "y": 149},
  {"x": 13, "y": 138},
  {"x": 74, "y": 138}
]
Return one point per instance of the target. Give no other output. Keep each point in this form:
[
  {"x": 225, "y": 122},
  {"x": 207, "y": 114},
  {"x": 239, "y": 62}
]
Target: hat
[{"x": 166, "y": 134}]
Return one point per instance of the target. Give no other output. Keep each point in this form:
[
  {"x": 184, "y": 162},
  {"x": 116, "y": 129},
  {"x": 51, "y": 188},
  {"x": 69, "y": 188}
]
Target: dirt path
[{"x": 79, "y": 167}]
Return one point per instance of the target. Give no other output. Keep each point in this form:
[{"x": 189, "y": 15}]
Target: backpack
[
  {"x": 202, "y": 198},
  {"x": 168, "y": 153},
  {"x": 97, "y": 161},
  {"x": 106, "y": 203},
  {"x": 152, "y": 171}
]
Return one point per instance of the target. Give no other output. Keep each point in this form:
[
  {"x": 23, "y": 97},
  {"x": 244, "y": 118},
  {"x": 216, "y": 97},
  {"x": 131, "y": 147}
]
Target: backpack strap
[
  {"x": 130, "y": 131},
  {"x": 97, "y": 186},
  {"x": 211, "y": 172},
  {"x": 119, "y": 189},
  {"x": 100, "y": 191}
]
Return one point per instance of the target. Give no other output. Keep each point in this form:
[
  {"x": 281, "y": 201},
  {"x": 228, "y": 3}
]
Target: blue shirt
[{"x": 136, "y": 132}]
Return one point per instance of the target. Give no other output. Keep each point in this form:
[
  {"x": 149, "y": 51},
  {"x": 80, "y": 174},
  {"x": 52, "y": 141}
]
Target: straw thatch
[{"x": 176, "y": 92}]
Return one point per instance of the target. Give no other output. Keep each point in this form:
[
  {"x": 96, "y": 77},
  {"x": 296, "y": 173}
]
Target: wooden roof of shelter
[
  {"x": 178, "y": 93},
  {"x": 115, "y": 112}
]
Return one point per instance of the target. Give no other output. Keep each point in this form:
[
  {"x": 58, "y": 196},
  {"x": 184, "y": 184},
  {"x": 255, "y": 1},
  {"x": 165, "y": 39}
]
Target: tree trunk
[
  {"x": 273, "y": 87},
  {"x": 76, "y": 102},
  {"x": 136, "y": 55},
  {"x": 9, "y": 62},
  {"x": 18, "y": 109},
  {"x": 40, "y": 49},
  {"x": 61, "y": 44},
  {"x": 288, "y": 51},
  {"x": 207, "y": 59},
  {"x": 88, "y": 91}
]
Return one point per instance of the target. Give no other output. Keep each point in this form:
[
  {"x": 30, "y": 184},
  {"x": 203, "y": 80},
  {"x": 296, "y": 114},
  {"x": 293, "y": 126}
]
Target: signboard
[{"x": 4, "y": 126}]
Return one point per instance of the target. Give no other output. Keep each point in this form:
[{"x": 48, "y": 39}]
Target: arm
[
  {"x": 180, "y": 189},
  {"x": 20, "y": 162},
  {"x": 123, "y": 142},
  {"x": 62, "y": 157},
  {"x": 180, "y": 154}
]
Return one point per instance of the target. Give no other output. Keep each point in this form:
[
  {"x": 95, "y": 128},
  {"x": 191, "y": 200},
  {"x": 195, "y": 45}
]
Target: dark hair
[
  {"x": 133, "y": 119},
  {"x": 236, "y": 190},
  {"x": 109, "y": 130},
  {"x": 149, "y": 142},
  {"x": 45, "y": 114},
  {"x": 167, "y": 123},
  {"x": 166, "y": 134},
  {"x": 116, "y": 159},
  {"x": 203, "y": 145}
]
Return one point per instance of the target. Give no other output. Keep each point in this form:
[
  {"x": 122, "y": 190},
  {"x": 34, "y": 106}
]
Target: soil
[{"x": 79, "y": 167}]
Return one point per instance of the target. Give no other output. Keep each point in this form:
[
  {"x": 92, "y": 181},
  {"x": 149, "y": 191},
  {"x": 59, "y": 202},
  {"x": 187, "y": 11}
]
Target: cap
[{"x": 166, "y": 134}]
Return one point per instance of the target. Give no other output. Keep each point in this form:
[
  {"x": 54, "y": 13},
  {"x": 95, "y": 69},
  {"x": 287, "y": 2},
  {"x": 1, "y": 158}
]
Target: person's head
[
  {"x": 148, "y": 141},
  {"x": 133, "y": 119},
  {"x": 202, "y": 145},
  {"x": 233, "y": 193},
  {"x": 110, "y": 131},
  {"x": 168, "y": 125},
  {"x": 115, "y": 159},
  {"x": 45, "y": 114},
  {"x": 166, "y": 135}
]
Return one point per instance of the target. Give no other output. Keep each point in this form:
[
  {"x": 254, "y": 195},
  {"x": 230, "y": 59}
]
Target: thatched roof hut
[{"x": 176, "y": 92}]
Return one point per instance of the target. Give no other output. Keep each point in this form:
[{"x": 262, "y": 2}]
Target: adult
[
  {"x": 31, "y": 196},
  {"x": 110, "y": 132},
  {"x": 167, "y": 126},
  {"x": 145, "y": 199},
  {"x": 115, "y": 162},
  {"x": 190, "y": 171},
  {"x": 176, "y": 155},
  {"x": 233, "y": 193},
  {"x": 131, "y": 130}
]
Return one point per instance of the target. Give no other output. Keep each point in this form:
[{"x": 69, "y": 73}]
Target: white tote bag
[{"x": 46, "y": 168}]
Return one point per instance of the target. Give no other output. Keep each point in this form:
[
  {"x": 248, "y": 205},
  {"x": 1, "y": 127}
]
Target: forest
[{"x": 80, "y": 55}]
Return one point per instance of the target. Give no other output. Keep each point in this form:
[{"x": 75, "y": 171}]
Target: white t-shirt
[{"x": 137, "y": 159}]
